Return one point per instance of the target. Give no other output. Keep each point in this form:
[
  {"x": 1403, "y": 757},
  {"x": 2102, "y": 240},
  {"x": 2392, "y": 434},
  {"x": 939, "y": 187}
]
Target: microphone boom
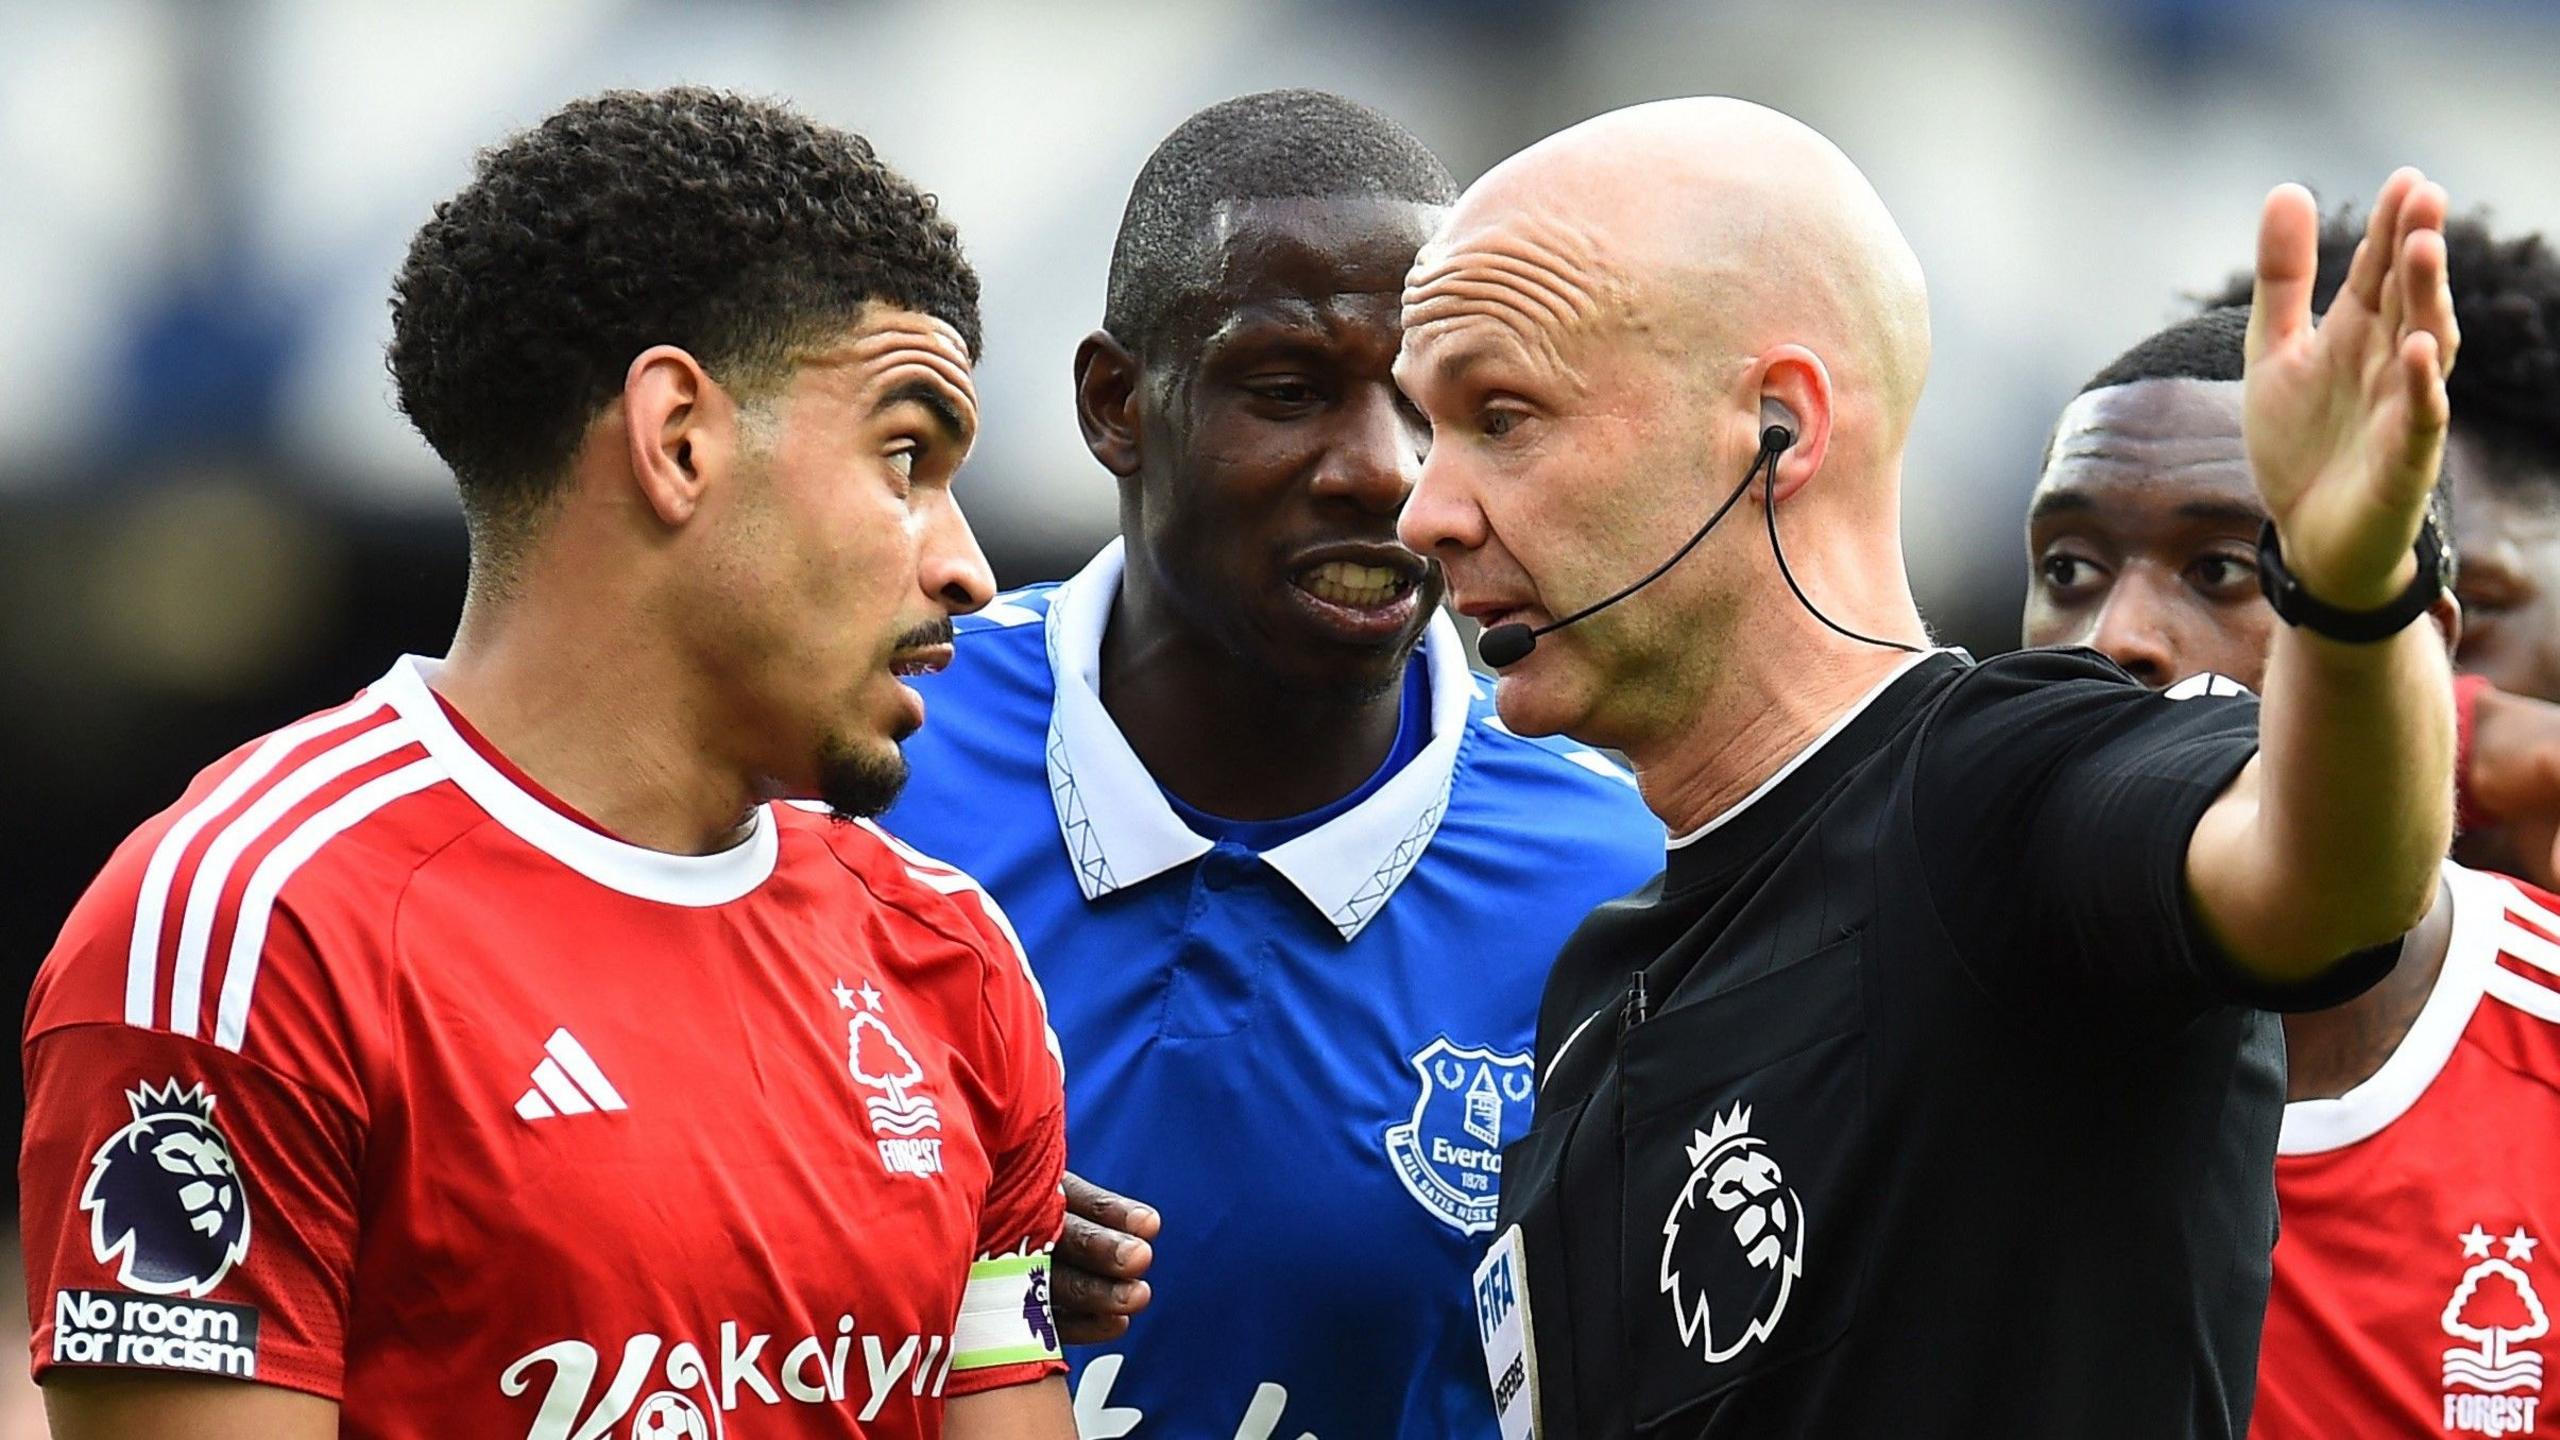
[{"x": 1504, "y": 646}]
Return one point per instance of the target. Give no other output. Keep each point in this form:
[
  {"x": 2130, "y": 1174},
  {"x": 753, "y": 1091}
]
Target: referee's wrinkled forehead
[{"x": 1702, "y": 231}]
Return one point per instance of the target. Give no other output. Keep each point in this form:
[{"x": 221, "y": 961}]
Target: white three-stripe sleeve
[
  {"x": 257, "y": 904},
  {"x": 213, "y": 873},
  {"x": 142, "y": 966},
  {"x": 2536, "y": 997}
]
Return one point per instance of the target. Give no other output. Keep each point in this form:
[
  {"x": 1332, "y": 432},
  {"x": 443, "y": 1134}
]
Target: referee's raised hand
[
  {"x": 2345, "y": 418},
  {"x": 2329, "y": 843}
]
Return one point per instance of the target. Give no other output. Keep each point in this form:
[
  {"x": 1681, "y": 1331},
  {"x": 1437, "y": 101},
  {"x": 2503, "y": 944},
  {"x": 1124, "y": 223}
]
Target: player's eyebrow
[
  {"x": 936, "y": 400},
  {"x": 1452, "y": 366},
  {"x": 2059, "y": 502},
  {"x": 2236, "y": 512},
  {"x": 1270, "y": 328}
]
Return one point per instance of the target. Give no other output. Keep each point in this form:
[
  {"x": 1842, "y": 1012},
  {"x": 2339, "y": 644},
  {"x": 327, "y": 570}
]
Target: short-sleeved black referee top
[{"x": 1933, "y": 1112}]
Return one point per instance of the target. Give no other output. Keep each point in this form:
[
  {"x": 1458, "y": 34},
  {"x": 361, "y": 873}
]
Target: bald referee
[{"x": 1931, "y": 1089}]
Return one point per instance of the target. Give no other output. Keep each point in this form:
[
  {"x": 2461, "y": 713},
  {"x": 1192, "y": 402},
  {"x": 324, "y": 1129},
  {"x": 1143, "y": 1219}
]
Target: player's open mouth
[
  {"x": 1355, "y": 586},
  {"x": 1366, "y": 594},
  {"x": 922, "y": 661}
]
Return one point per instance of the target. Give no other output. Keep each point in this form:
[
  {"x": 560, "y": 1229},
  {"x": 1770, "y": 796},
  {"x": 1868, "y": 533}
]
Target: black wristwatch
[{"x": 2298, "y": 607}]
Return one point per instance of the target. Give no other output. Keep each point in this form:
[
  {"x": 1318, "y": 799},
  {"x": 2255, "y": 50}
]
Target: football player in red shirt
[
  {"x": 498, "y": 1053},
  {"x": 2418, "y": 1172}
]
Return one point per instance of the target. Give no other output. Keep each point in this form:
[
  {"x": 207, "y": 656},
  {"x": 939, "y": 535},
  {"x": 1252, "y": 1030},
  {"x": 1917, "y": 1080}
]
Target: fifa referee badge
[{"x": 1502, "y": 1323}]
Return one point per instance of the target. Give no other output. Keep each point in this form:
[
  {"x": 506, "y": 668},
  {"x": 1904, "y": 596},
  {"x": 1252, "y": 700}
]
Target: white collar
[
  {"x": 2480, "y": 902},
  {"x": 1119, "y": 830},
  {"x": 1797, "y": 762},
  {"x": 689, "y": 880}
]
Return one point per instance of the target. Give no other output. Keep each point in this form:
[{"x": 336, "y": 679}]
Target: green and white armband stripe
[{"x": 1004, "y": 1315}]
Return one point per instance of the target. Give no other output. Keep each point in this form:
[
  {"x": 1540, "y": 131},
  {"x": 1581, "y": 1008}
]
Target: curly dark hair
[
  {"x": 2506, "y": 298},
  {"x": 732, "y": 227},
  {"x": 1276, "y": 144}
]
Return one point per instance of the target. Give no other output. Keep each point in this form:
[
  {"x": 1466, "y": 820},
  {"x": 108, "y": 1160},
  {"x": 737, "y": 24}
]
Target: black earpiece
[{"x": 1774, "y": 440}]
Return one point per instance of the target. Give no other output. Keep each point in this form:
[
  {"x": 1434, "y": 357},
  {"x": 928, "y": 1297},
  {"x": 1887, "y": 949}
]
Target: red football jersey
[
  {"x": 368, "y": 1071},
  {"x": 2413, "y": 1291}
]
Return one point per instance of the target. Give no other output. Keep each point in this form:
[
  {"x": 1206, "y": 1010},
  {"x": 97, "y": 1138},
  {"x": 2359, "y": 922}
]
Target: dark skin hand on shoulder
[{"x": 1103, "y": 1258}]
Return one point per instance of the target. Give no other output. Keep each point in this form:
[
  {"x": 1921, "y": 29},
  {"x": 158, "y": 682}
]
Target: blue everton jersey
[{"x": 1308, "y": 1057}]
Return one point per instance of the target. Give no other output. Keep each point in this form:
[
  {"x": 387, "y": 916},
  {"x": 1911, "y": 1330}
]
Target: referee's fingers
[{"x": 2288, "y": 263}]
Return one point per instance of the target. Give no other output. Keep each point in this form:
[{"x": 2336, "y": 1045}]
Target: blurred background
[{"x": 212, "y": 519}]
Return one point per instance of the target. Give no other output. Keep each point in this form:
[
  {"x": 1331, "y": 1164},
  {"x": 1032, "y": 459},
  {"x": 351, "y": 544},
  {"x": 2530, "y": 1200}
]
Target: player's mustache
[{"x": 938, "y": 631}]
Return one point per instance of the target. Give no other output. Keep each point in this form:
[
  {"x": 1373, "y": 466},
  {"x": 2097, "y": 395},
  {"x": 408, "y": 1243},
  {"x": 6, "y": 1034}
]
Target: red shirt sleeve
[
  {"x": 1008, "y": 1334},
  {"x": 185, "y": 1206}
]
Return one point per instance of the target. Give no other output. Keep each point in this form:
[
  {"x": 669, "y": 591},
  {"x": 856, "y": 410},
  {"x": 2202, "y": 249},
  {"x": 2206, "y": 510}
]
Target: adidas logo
[{"x": 567, "y": 1082}]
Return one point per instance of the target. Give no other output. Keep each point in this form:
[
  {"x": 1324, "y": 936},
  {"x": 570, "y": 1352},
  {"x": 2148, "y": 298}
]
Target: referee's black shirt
[{"x": 1939, "y": 1115}]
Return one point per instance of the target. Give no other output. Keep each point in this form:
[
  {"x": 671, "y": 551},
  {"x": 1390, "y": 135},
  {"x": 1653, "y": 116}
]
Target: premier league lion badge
[
  {"x": 1733, "y": 1244},
  {"x": 1449, "y": 1155},
  {"x": 164, "y": 1200}
]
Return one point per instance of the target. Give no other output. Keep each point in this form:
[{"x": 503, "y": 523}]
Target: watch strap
[{"x": 2300, "y": 608}]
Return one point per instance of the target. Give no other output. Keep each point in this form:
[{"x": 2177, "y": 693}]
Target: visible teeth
[
  {"x": 1343, "y": 583},
  {"x": 1357, "y": 577}
]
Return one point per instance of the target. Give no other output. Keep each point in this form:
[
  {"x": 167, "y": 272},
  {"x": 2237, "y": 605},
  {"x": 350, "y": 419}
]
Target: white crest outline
[
  {"x": 1728, "y": 1131},
  {"x": 150, "y": 1102},
  {"x": 1402, "y": 1141}
]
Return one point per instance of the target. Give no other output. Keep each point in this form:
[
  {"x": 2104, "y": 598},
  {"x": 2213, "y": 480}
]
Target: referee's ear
[
  {"x": 1794, "y": 384},
  {"x": 1107, "y": 402}
]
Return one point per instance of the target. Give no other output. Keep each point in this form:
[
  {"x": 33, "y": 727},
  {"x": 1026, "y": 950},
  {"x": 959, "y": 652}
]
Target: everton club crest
[{"x": 1449, "y": 1155}]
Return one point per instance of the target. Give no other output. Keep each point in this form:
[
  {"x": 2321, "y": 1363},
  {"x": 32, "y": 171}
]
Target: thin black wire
[
  {"x": 1769, "y": 495},
  {"x": 1676, "y": 556}
]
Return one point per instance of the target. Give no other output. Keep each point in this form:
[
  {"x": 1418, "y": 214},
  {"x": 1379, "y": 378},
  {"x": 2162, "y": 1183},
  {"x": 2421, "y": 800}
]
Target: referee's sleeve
[{"x": 2054, "y": 802}]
